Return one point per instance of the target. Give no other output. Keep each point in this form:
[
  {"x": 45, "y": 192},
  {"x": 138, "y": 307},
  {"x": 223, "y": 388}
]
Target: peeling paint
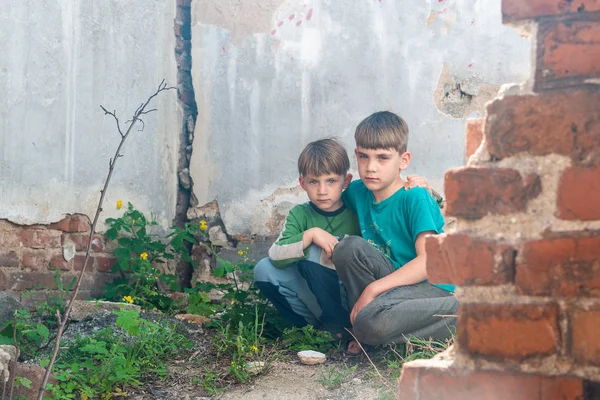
[{"x": 460, "y": 98}]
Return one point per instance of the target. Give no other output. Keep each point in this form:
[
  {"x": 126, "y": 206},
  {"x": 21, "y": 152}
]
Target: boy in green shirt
[
  {"x": 298, "y": 276},
  {"x": 384, "y": 271}
]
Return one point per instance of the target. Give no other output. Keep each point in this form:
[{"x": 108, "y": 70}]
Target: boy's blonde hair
[
  {"x": 382, "y": 130},
  {"x": 324, "y": 156}
]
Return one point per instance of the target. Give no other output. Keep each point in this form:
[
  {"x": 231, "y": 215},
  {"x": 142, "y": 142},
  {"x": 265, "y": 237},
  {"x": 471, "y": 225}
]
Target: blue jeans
[{"x": 305, "y": 292}]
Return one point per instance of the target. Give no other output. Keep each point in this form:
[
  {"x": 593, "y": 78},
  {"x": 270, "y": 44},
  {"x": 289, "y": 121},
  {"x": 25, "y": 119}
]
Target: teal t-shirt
[{"x": 392, "y": 225}]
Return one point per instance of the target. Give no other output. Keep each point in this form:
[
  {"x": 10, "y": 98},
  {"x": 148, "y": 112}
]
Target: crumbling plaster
[{"x": 316, "y": 69}]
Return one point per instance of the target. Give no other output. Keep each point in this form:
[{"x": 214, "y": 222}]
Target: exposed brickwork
[
  {"x": 584, "y": 343},
  {"x": 515, "y": 10},
  {"x": 474, "y": 135},
  {"x": 437, "y": 380},
  {"x": 464, "y": 260},
  {"x": 30, "y": 256},
  {"x": 509, "y": 331},
  {"x": 568, "y": 265},
  {"x": 542, "y": 324},
  {"x": 569, "y": 53},
  {"x": 74, "y": 223},
  {"x": 579, "y": 194},
  {"x": 564, "y": 123},
  {"x": 472, "y": 193}
]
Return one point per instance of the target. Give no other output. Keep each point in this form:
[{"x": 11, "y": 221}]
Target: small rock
[
  {"x": 84, "y": 308},
  {"x": 185, "y": 179},
  {"x": 311, "y": 357},
  {"x": 255, "y": 367},
  {"x": 7, "y": 354},
  {"x": 193, "y": 318},
  {"x": 217, "y": 236}
]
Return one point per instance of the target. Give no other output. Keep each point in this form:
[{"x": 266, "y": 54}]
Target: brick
[
  {"x": 473, "y": 135},
  {"x": 9, "y": 259},
  {"x": 78, "y": 263},
  {"x": 509, "y": 331},
  {"x": 584, "y": 343},
  {"x": 515, "y": 10},
  {"x": 464, "y": 260},
  {"x": 565, "y": 123},
  {"x": 568, "y": 52},
  {"x": 58, "y": 262},
  {"x": 81, "y": 242},
  {"x": 25, "y": 280},
  {"x": 105, "y": 263},
  {"x": 472, "y": 193},
  {"x": 578, "y": 195},
  {"x": 72, "y": 223},
  {"x": 561, "y": 266},
  {"x": 438, "y": 380},
  {"x": 35, "y": 260},
  {"x": 40, "y": 239},
  {"x": 9, "y": 238}
]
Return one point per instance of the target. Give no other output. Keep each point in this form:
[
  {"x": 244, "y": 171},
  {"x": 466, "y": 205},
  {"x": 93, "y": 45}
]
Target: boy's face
[
  {"x": 380, "y": 169},
  {"x": 325, "y": 191}
]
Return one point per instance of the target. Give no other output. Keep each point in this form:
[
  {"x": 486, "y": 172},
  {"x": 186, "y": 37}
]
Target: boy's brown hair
[
  {"x": 324, "y": 156},
  {"x": 382, "y": 130}
]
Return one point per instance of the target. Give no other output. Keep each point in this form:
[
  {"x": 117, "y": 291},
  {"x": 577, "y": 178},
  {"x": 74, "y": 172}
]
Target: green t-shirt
[
  {"x": 288, "y": 248},
  {"x": 392, "y": 225}
]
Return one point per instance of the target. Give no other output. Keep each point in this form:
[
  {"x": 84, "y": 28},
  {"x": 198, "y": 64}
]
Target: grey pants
[{"x": 400, "y": 313}]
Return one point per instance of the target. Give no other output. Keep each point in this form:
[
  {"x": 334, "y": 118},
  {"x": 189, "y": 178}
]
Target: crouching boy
[
  {"x": 298, "y": 277},
  {"x": 384, "y": 271}
]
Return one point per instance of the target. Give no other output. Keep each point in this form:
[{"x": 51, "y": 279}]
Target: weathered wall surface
[
  {"x": 59, "y": 61},
  {"x": 270, "y": 76}
]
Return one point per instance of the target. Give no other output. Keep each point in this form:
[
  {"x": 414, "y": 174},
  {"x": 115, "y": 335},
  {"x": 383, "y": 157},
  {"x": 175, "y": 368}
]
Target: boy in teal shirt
[{"x": 384, "y": 270}]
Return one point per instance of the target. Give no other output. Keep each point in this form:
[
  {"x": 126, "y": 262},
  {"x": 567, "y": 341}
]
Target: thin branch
[
  {"x": 364, "y": 351},
  {"x": 62, "y": 323},
  {"x": 13, "y": 372},
  {"x": 114, "y": 115}
]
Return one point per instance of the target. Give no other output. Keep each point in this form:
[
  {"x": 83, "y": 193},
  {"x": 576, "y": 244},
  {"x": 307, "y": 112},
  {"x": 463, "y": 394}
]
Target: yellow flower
[
  {"x": 144, "y": 256},
  {"x": 240, "y": 253},
  {"x": 128, "y": 299},
  {"x": 132, "y": 221},
  {"x": 119, "y": 204},
  {"x": 254, "y": 349},
  {"x": 203, "y": 225}
]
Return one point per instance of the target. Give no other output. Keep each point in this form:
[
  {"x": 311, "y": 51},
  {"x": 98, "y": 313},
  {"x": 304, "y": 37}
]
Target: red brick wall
[
  {"x": 527, "y": 250},
  {"x": 30, "y": 255}
]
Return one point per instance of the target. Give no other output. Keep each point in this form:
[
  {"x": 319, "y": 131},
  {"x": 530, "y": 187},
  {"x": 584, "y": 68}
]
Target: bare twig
[
  {"x": 13, "y": 372},
  {"x": 364, "y": 351},
  {"x": 138, "y": 112}
]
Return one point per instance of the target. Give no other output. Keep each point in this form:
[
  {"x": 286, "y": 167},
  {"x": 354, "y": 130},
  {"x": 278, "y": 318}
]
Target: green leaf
[
  {"x": 219, "y": 271},
  {"x": 19, "y": 380},
  {"x": 122, "y": 253},
  {"x": 111, "y": 234},
  {"x": 124, "y": 241}
]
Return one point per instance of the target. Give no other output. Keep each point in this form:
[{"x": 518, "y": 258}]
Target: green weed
[{"x": 332, "y": 378}]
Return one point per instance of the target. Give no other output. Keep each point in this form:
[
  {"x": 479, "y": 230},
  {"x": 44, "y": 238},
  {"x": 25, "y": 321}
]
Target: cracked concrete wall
[
  {"x": 60, "y": 61},
  {"x": 317, "y": 68}
]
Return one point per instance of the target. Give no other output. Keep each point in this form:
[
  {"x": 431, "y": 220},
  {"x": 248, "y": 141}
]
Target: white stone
[
  {"x": 255, "y": 367},
  {"x": 69, "y": 250},
  {"x": 311, "y": 357}
]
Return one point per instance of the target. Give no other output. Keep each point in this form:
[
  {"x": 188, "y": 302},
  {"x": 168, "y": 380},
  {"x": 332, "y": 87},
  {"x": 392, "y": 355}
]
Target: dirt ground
[{"x": 284, "y": 380}]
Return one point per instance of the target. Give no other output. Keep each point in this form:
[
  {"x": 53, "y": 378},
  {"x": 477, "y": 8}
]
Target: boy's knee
[
  {"x": 262, "y": 270},
  {"x": 346, "y": 249},
  {"x": 368, "y": 333}
]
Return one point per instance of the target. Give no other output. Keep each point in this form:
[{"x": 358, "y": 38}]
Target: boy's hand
[
  {"x": 365, "y": 298},
  {"x": 323, "y": 239},
  {"x": 414, "y": 181}
]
